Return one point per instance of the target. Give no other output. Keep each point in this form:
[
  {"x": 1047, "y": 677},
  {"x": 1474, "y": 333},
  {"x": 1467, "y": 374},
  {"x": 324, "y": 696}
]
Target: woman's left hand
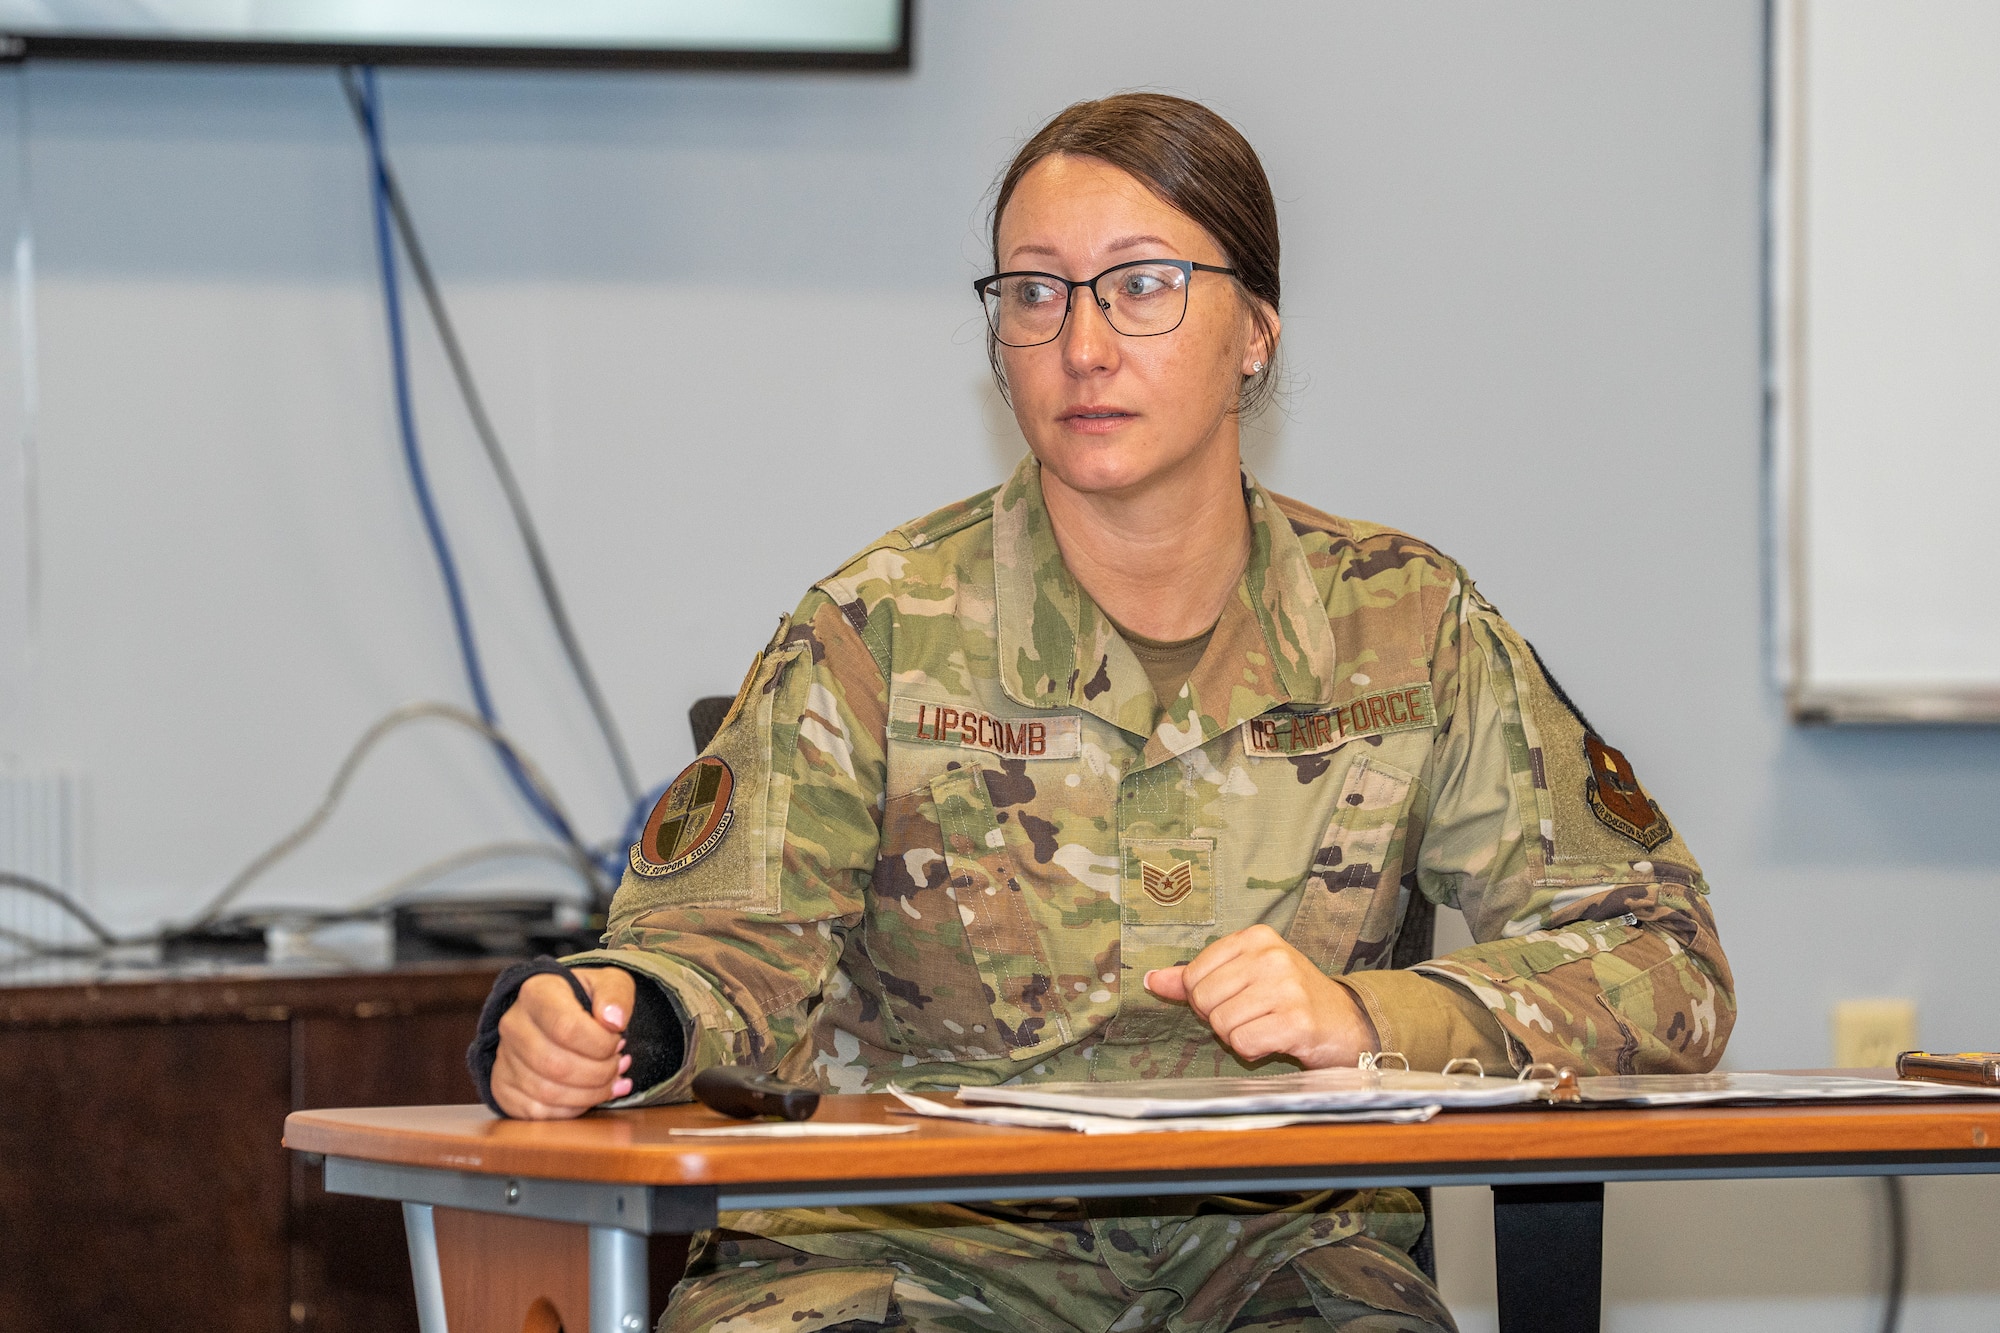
[{"x": 1263, "y": 997}]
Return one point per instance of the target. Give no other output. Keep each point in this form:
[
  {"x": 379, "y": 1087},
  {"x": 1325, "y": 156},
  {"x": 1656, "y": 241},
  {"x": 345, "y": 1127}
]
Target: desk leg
[
  {"x": 1548, "y": 1252},
  {"x": 618, "y": 1287},
  {"x": 420, "y": 1228}
]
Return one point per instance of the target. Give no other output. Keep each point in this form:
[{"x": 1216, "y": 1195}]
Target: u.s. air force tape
[
  {"x": 1285, "y": 733},
  {"x": 689, "y": 821}
]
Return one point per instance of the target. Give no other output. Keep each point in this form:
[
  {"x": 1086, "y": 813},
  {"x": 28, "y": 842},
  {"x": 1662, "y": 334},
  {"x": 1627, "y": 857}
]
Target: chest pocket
[
  {"x": 995, "y": 908},
  {"x": 1352, "y": 898}
]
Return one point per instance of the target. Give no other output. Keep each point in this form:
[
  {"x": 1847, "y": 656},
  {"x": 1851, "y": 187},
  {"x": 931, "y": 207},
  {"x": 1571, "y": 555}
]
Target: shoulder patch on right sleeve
[
  {"x": 690, "y": 820},
  {"x": 717, "y": 834}
]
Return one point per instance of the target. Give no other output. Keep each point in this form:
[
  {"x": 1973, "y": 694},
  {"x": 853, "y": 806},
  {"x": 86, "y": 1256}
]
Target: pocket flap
[{"x": 999, "y": 919}]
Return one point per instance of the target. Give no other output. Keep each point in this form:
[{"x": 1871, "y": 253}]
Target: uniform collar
[{"x": 1273, "y": 644}]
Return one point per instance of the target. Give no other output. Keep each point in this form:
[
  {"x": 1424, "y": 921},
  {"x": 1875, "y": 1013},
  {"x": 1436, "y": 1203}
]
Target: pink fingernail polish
[
  {"x": 624, "y": 1063},
  {"x": 614, "y": 1015},
  {"x": 622, "y": 1088}
]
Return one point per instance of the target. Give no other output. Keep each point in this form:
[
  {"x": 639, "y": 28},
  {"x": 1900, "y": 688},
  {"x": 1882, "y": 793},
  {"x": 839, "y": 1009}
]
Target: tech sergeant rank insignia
[
  {"x": 689, "y": 821},
  {"x": 1166, "y": 887}
]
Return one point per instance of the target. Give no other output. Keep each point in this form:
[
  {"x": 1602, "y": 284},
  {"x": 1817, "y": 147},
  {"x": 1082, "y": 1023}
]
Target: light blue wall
[{"x": 725, "y": 325}]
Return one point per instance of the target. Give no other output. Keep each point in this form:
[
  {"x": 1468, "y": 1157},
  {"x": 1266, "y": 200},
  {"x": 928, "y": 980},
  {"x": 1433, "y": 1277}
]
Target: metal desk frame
[{"x": 1548, "y": 1216}]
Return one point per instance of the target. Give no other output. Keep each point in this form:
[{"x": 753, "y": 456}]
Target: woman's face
[{"x": 1104, "y": 412}]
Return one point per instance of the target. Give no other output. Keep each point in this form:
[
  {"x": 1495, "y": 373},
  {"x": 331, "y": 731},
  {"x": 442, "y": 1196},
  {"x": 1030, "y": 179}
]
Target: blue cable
[{"x": 461, "y": 618}]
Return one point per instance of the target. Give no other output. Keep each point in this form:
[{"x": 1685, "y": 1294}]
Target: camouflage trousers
[{"x": 1303, "y": 1262}]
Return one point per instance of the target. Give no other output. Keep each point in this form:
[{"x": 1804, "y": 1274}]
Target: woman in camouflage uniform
[{"x": 1124, "y": 769}]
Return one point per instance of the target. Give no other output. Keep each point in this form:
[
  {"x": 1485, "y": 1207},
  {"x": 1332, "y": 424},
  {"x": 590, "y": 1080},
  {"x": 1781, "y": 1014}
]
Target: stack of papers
[
  {"x": 1350, "y": 1096},
  {"x": 1316, "y": 1097},
  {"x": 1315, "y": 1091},
  {"x": 1033, "y": 1118}
]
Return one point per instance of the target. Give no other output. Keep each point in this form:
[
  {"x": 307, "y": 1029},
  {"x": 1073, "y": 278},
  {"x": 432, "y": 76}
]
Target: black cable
[
  {"x": 489, "y": 440},
  {"x": 1899, "y": 1253},
  {"x": 29, "y": 884}
]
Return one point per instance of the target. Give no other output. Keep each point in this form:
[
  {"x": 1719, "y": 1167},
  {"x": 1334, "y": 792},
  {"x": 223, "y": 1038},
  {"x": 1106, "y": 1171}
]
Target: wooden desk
[{"x": 615, "y": 1177}]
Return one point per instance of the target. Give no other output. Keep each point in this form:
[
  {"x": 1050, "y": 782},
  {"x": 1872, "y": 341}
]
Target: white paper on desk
[
  {"x": 1315, "y": 1090},
  {"x": 795, "y": 1129},
  {"x": 1031, "y": 1118},
  {"x": 1710, "y": 1089}
]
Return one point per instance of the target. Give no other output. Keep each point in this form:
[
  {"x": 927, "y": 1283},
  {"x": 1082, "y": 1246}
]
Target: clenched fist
[
  {"x": 1263, "y": 997},
  {"x": 555, "y": 1061}
]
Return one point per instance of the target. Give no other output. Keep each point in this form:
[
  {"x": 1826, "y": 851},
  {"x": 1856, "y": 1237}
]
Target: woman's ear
[{"x": 1264, "y": 328}]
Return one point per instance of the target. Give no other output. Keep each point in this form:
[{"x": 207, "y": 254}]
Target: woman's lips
[{"x": 1095, "y": 420}]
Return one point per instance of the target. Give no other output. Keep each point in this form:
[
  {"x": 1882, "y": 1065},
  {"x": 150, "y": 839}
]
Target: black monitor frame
[{"x": 25, "y": 46}]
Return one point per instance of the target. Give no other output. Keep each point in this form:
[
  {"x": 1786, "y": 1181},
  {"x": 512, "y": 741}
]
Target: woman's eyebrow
[
  {"x": 1126, "y": 243},
  {"x": 1122, "y": 243}
]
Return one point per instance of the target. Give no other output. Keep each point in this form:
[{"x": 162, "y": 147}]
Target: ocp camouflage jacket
[{"x": 947, "y": 829}]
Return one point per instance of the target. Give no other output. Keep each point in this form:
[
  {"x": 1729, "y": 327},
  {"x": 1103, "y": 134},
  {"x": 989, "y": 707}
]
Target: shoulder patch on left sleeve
[
  {"x": 1574, "y": 761},
  {"x": 1617, "y": 799}
]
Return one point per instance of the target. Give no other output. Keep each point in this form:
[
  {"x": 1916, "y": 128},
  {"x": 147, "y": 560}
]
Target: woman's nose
[{"x": 1089, "y": 343}]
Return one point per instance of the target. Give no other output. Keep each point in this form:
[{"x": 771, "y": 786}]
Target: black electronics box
[
  {"x": 445, "y": 929},
  {"x": 226, "y": 942}
]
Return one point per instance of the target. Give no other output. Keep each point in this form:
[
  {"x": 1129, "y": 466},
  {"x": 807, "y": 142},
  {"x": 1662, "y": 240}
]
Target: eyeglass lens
[{"x": 1139, "y": 300}]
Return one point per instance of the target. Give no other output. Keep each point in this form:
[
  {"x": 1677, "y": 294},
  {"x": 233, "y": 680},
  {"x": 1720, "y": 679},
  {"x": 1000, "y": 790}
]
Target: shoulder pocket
[{"x": 742, "y": 871}]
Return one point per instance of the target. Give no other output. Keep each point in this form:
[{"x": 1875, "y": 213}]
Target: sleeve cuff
[
  {"x": 1430, "y": 1021},
  {"x": 712, "y": 1031}
]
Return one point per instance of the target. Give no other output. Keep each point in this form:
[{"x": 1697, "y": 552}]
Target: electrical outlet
[{"x": 1870, "y": 1034}]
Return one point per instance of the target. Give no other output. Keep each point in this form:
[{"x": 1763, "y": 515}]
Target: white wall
[{"x": 726, "y": 328}]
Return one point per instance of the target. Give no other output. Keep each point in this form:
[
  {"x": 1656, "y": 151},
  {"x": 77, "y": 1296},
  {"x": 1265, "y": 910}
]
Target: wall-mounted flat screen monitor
[{"x": 852, "y": 34}]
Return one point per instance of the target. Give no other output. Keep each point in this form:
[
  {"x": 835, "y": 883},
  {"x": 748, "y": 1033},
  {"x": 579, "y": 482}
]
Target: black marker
[{"x": 746, "y": 1094}]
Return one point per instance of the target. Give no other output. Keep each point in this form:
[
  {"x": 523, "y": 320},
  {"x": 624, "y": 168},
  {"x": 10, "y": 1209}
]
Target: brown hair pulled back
[{"x": 1192, "y": 159}]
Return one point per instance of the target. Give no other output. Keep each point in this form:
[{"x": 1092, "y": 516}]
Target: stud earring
[{"x": 1256, "y": 367}]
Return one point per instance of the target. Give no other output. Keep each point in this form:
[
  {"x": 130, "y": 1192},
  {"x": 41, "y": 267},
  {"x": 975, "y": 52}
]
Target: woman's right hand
[{"x": 556, "y": 1061}]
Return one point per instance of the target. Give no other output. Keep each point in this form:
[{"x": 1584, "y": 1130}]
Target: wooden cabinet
[{"x": 142, "y": 1182}]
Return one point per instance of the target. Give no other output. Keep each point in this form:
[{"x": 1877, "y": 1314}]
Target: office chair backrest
[
  {"x": 1418, "y": 933},
  {"x": 705, "y": 718},
  {"x": 1415, "y": 941}
]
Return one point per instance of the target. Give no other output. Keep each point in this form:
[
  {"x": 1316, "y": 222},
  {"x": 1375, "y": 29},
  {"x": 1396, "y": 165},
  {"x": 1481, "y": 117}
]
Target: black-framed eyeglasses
[{"x": 1150, "y": 297}]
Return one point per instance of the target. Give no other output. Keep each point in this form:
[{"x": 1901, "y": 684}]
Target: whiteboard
[{"x": 1885, "y": 357}]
